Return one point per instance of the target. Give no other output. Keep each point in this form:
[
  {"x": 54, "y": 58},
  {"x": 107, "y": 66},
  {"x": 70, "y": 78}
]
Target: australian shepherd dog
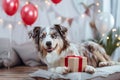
[{"x": 52, "y": 44}]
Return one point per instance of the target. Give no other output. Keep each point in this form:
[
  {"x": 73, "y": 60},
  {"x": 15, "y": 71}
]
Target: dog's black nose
[{"x": 48, "y": 43}]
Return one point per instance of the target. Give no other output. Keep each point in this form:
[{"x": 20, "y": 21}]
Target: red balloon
[
  {"x": 10, "y": 6},
  {"x": 29, "y": 14},
  {"x": 56, "y": 1}
]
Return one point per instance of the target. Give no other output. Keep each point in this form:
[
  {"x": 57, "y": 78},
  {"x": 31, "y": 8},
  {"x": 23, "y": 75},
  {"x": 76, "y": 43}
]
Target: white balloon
[{"x": 104, "y": 22}]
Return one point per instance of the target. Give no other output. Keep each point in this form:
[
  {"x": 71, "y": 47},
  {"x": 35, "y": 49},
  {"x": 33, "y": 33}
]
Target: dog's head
[{"x": 50, "y": 39}]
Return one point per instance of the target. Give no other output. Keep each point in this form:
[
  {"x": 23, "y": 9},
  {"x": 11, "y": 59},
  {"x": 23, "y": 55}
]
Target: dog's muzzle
[{"x": 49, "y": 47}]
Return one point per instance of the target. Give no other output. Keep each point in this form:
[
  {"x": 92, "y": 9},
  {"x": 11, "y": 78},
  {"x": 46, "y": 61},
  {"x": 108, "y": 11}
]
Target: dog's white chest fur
[{"x": 51, "y": 58}]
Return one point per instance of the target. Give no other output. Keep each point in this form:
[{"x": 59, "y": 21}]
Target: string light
[
  {"x": 119, "y": 37},
  {"x": 116, "y": 35},
  {"x": 83, "y": 15},
  {"x": 36, "y": 6},
  {"x": 19, "y": 22},
  {"x": 26, "y": 2},
  {"x": 1, "y": 20},
  {"x": 97, "y": 4},
  {"x": 99, "y": 11},
  {"x": 118, "y": 44},
  {"x": 59, "y": 18},
  {"x": 107, "y": 37},
  {"x": 10, "y": 26},
  {"x": 47, "y": 2},
  {"x": 103, "y": 35},
  {"x": 114, "y": 30}
]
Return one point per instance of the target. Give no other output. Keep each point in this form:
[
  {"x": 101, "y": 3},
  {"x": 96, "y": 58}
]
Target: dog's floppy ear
[
  {"x": 61, "y": 29},
  {"x": 35, "y": 33}
]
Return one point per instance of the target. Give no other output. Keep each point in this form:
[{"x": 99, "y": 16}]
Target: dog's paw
[
  {"x": 102, "y": 64},
  {"x": 62, "y": 70},
  {"x": 90, "y": 69}
]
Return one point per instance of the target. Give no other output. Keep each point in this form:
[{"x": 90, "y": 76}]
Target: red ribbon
[{"x": 79, "y": 64}]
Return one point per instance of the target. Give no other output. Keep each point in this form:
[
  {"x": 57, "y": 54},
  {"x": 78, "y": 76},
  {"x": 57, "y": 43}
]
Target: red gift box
[{"x": 75, "y": 63}]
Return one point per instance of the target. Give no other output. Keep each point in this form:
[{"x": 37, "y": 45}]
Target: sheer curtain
[
  {"x": 112, "y": 6},
  {"x": 115, "y": 4}
]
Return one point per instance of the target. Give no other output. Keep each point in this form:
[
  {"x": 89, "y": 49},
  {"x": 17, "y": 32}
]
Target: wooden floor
[{"x": 18, "y": 73}]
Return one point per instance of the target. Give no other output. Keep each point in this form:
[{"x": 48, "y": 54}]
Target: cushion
[
  {"x": 5, "y": 48},
  {"x": 28, "y": 53}
]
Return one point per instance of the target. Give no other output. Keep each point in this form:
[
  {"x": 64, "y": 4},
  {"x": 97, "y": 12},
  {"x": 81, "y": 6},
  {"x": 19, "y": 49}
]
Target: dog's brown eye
[
  {"x": 42, "y": 36},
  {"x": 54, "y": 35}
]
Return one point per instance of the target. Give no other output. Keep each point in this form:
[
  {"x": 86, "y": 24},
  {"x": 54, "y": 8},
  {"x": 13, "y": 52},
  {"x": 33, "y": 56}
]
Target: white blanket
[{"x": 103, "y": 71}]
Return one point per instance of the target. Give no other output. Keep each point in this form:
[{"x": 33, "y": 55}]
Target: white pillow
[
  {"x": 5, "y": 47},
  {"x": 28, "y": 53}
]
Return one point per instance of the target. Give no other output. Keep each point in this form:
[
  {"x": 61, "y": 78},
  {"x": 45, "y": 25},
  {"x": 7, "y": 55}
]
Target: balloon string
[
  {"x": 29, "y": 2},
  {"x": 9, "y": 53}
]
